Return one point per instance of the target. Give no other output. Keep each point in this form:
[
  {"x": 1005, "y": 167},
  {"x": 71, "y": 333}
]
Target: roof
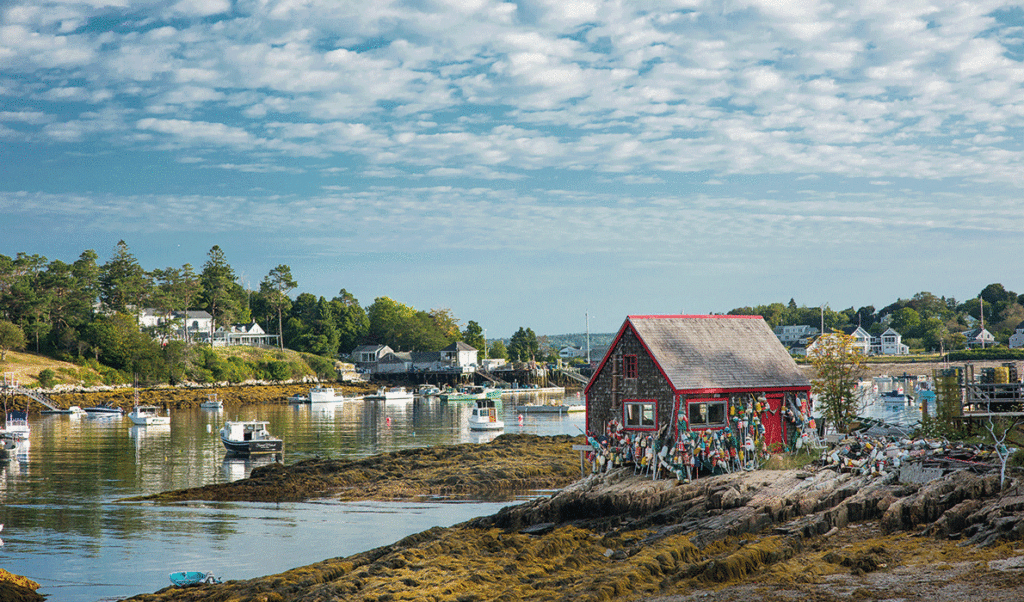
[
  {"x": 459, "y": 346},
  {"x": 715, "y": 352}
]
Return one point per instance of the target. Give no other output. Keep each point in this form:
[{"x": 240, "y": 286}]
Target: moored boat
[
  {"x": 148, "y": 415},
  {"x": 104, "y": 410},
  {"x": 249, "y": 437},
  {"x": 471, "y": 393},
  {"x": 428, "y": 391},
  {"x": 392, "y": 394},
  {"x": 485, "y": 416},
  {"x": 16, "y": 428},
  {"x": 212, "y": 403}
]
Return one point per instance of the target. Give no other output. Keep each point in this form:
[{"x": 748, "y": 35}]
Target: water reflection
[{"x": 66, "y": 529}]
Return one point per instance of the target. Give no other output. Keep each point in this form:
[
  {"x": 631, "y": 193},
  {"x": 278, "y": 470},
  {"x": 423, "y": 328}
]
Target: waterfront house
[
  {"x": 1017, "y": 338},
  {"x": 798, "y": 334},
  {"x": 459, "y": 356},
  {"x": 889, "y": 342},
  {"x": 979, "y": 337},
  {"x": 680, "y": 374},
  {"x": 365, "y": 357},
  {"x": 394, "y": 363},
  {"x": 251, "y": 334},
  {"x": 570, "y": 352},
  {"x": 862, "y": 339}
]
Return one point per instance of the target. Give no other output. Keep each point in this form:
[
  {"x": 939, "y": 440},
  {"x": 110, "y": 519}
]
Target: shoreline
[{"x": 750, "y": 535}]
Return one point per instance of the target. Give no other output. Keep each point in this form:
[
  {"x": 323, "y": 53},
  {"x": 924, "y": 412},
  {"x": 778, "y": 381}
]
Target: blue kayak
[{"x": 186, "y": 578}]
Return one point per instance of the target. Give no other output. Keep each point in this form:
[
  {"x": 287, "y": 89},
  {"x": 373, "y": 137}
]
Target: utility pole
[{"x": 587, "y": 314}]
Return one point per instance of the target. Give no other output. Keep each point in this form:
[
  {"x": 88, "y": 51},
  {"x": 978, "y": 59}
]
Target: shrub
[{"x": 47, "y": 378}]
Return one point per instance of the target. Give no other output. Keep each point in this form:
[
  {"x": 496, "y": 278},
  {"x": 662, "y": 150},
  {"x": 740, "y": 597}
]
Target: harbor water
[{"x": 66, "y": 526}]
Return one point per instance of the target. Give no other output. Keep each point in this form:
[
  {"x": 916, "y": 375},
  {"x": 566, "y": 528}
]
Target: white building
[
  {"x": 798, "y": 334},
  {"x": 979, "y": 337},
  {"x": 569, "y": 352},
  {"x": 889, "y": 342},
  {"x": 1017, "y": 338}
]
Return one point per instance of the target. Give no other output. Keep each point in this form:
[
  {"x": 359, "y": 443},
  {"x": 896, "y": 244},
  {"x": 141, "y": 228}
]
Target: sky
[{"x": 556, "y": 165}]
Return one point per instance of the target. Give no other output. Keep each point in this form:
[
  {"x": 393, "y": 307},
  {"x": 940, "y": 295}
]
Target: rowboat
[{"x": 187, "y": 578}]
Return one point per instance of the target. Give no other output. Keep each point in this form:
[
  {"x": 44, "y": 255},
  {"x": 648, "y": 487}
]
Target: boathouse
[{"x": 678, "y": 376}]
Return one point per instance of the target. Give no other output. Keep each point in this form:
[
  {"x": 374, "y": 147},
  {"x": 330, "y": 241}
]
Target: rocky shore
[{"x": 809, "y": 534}]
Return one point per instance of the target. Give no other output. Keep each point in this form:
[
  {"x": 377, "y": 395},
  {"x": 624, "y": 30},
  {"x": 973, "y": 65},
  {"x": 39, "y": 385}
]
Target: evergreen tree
[{"x": 123, "y": 284}]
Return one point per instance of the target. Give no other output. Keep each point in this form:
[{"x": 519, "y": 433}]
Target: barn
[{"x": 696, "y": 379}]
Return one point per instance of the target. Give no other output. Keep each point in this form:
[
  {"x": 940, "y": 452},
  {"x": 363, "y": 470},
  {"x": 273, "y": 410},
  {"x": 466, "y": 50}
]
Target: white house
[
  {"x": 862, "y": 339},
  {"x": 569, "y": 352},
  {"x": 238, "y": 334},
  {"x": 365, "y": 357},
  {"x": 459, "y": 355},
  {"x": 979, "y": 337},
  {"x": 1017, "y": 338},
  {"x": 198, "y": 323},
  {"x": 795, "y": 334},
  {"x": 889, "y": 342}
]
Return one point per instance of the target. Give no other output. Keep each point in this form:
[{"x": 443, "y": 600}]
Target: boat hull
[
  {"x": 254, "y": 447},
  {"x": 486, "y": 426}
]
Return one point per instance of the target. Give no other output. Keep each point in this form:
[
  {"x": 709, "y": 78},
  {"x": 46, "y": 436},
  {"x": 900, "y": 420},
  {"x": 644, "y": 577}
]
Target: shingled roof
[{"x": 717, "y": 352}]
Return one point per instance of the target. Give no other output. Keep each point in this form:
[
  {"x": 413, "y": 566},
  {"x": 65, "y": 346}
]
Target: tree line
[
  {"x": 89, "y": 309},
  {"x": 925, "y": 321}
]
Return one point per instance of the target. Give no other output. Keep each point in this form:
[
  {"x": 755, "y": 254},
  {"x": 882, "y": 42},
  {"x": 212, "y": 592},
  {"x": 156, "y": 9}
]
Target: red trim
[
  {"x": 708, "y": 427},
  {"x": 607, "y": 354},
  {"x": 714, "y": 317},
  {"x": 740, "y": 390},
  {"x": 627, "y": 372},
  {"x": 653, "y": 402}
]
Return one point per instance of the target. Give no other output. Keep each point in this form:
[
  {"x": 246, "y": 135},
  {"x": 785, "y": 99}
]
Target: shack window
[
  {"x": 629, "y": 366},
  {"x": 706, "y": 412},
  {"x": 639, "y": 414}
]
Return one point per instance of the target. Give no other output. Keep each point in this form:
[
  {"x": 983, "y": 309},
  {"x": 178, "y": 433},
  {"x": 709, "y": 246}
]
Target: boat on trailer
[{"x": 249, "y": 437}]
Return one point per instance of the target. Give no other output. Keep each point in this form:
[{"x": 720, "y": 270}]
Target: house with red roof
[{"x": 681, "y": 377}]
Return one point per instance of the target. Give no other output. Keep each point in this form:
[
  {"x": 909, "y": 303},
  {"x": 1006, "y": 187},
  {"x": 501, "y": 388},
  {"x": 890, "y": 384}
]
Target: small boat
[
  {"x": 552, "y": 409},
  {"x": 71, "y": 410},
  {"x": 187, "y": 578},
  {"x": 894, "y": 397},
  {"x": 392, "y": 394},
  {"x": 428, "y": 391},
  {"x": 148, "y": 415},
  {"x": 16, "y": 428},
  {"x": 325, "y": 395},
  {"x": 485, "y": 416},
  {"x": 247, "y": 438},
  {"x": 212, "y": 403},
  {"x": 102, "y": 410},
  {"x": 471, "y": 394}
]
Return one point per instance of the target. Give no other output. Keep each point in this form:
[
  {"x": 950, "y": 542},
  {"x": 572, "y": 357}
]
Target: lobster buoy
[
  {"x": 520, "y": 420},
  {"x": 387, "y": 421}
]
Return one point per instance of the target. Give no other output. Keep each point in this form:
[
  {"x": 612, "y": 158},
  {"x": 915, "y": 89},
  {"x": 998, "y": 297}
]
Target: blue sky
[{"x": 522, "y": 163}]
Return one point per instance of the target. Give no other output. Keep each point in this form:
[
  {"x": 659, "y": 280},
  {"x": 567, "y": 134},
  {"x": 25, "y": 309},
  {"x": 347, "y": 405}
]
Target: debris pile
[{"x": 914, "y": 460}]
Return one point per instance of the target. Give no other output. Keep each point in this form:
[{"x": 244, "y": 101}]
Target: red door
[{"x": 772, "y": 420}]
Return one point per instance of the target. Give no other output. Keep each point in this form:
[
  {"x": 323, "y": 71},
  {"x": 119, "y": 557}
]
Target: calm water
[{"x": 65, "y": 529}]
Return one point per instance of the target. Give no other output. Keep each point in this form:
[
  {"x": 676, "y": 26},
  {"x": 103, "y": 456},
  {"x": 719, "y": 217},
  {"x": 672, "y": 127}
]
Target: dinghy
[{"x": 186, "y": 578}]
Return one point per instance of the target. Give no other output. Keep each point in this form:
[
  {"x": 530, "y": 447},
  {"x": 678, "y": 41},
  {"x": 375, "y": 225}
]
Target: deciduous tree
[
  {"x": 838, "y": 365},
  {"x": 11, "y": 338}
]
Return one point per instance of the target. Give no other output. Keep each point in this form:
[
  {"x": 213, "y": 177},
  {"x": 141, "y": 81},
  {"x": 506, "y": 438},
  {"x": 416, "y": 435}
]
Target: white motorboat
[
  {"x": 485, "y": 416},
  {"x": 249, "y": 437},
  {"x": 212, "y": 403},
  {"x": 392, "y": 394},
  {"x": 148, "y": 416},
  {"x": 428, "y": 391},
  {"x": 16, "y": 428},
  {"x": 321, "y": 395}
]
